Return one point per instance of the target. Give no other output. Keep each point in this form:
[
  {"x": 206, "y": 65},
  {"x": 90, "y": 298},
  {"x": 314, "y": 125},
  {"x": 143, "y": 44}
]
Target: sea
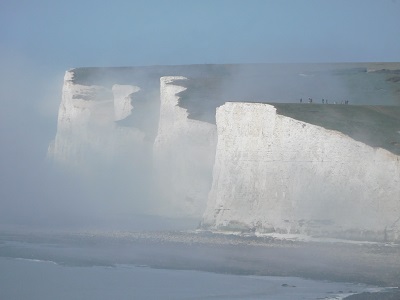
[
  {"x": 96, "y": 265},
  {"x": 41, "y": 280}
]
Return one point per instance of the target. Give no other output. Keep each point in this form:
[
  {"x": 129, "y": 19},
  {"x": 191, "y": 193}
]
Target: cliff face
[
  {"x": 183, "y": 153},
  {"x": 98, "y": 133},
  {"x": 86, "y": 129},
  {"x": 149, "y": 135},
  {"x": 274, "y": 173},
  {"x": 122, "y": 100}
]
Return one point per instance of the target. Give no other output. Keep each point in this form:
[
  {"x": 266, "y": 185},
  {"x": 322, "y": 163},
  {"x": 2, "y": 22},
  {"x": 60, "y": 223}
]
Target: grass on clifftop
[{"x": 376, "y": 126}]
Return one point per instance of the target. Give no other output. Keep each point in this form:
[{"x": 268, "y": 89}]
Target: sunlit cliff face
[{"x": 274, "y": 173}]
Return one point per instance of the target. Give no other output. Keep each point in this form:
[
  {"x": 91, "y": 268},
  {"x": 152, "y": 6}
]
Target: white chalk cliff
[
  {"x": 273, "y": 173},
  {"x": 329, "y": 170},
  {"x": 183, "y": 153},
  {"x": 86, "y": 129}
]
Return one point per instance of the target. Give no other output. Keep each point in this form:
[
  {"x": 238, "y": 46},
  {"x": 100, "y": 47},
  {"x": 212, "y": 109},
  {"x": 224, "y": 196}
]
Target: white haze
[
  {"x": 28, "y": 187},
  {"x": 33, "y": 192}
]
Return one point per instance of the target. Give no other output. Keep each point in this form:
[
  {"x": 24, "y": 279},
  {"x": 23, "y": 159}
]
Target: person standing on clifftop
[{"x": 301, "y": 100}]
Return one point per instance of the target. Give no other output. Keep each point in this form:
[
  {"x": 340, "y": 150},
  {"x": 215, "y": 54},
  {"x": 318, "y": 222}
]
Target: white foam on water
[{"x": 36, "y": 260}]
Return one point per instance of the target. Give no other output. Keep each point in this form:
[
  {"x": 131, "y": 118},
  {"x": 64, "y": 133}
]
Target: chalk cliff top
[
  {"x": 98, "y": 75},
  {"x": 377, "y": 126},
  {"x": 362, "y": 83},
  {"x": 209, "y": 86}
]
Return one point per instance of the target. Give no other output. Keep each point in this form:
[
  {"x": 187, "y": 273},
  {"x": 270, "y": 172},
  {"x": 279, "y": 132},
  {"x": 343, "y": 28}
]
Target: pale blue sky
[{"x": 113, "y": 33}]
